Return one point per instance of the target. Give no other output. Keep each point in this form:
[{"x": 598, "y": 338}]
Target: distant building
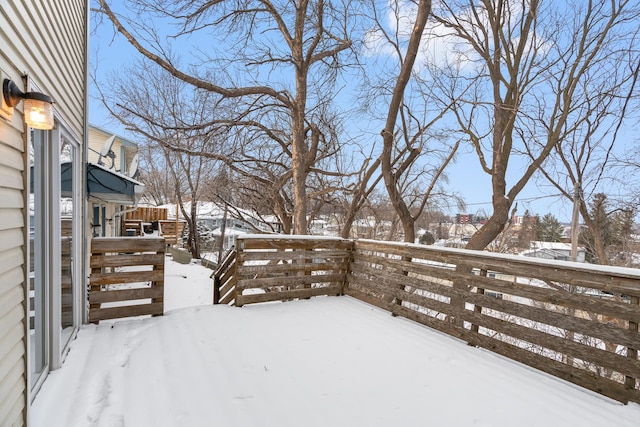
[
  {"x": 464, "y": 218},
  {"x": 553, "y": 250},
  {"x": 211, "y": 215}
]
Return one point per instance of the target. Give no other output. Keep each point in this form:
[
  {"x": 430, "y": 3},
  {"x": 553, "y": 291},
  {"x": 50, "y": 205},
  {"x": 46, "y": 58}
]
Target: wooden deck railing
[
  {"x": 576, "y": 321},
  {"x": 172, "y": 230},
  {"x": 268, "y": 268},
  {"x": 224, "y": 280},
  {"x": 127, "y": 277}
]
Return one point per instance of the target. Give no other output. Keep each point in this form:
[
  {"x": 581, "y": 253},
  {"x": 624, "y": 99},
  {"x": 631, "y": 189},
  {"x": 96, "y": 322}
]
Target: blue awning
[
  {"x": 111, "y": 186},
  {"x": 102, "y": 183}
]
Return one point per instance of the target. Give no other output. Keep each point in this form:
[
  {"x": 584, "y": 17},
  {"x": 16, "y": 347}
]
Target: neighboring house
[
  {"x": 211, "y": 215},
  {"x": 43, "y": 46},
  {"x": 371, "y": 228},
  {"x": 462, "y": 233},
  {"x": 553, "y": 250},
  {"x": 230, "y": 237},
  {"x": 114, "y": 152},
  {"x": 112, "y": 165}
]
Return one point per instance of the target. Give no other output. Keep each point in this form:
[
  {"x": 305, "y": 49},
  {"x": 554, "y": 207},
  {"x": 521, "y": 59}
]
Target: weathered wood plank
[
  {"x": 292, "y": 255},
  {"x": 126, "y": 260},
  {"x": 228, "y": 298},
  {"x": 371, "y": 288},
  {"x": 227, "y": 287},
  {"x": 430, "y": 321},
  {"x": 447, "y": 289},
  {"x": 289, "y": 281},
  {"x": 275, "y": 242},
  {"x": 125, "y": 311},
  {"x": 122, "y": 277},
  {"x": 145, "y": 259},
  {"x": 228, "y": 275},
  {"x": 100, "y": 245},
  {"x": 126, "y": 294},
  {"x": 227, "y": 262},
  {"x": 290, "y": 268},
  {"x": 286, "y": 295},
  {"x": 603, "y": 331}
]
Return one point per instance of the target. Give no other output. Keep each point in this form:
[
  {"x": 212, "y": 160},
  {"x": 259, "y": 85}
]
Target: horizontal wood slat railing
[
  {"x": 127, "y": 277},
  {"x": 172, "y": 230},
  {"x": 578, "y": 322},
  {"x": 267, "y": 268},
  {"x": 224, "y": 279}
]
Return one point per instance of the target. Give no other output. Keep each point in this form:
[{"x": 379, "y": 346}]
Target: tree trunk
[
  {"x": 390, "y": 178},
  {"x": 494, "y": 226}
]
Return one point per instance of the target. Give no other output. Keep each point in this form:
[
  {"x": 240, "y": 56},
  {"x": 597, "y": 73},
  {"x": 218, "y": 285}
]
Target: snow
[{"x": 324, "y": 361}]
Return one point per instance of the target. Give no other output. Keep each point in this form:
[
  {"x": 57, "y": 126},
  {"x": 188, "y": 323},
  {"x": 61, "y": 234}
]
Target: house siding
[
  {"x": 50, "y": 48},
  {"x": 46, "y": 40},
  {"x": 13, "y": 359},
  {"x": 123, "y": 149}
]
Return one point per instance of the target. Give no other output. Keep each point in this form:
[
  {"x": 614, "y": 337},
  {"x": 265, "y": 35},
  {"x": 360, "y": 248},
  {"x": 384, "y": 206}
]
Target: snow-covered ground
[{"x": 331, "y": 361}]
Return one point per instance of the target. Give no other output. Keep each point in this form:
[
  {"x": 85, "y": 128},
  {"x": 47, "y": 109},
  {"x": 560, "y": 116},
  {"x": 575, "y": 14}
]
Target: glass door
[
  {"x": 70, "y": 212},
  {"x": 55, "y": 249},
  {"x": 38, "y": 243}
]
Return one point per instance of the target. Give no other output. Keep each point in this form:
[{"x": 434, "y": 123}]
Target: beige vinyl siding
[
  {"x": 46, "y": 40},
  {"x": 96, "y": 139},
  {"x": 13, "y": 378}
]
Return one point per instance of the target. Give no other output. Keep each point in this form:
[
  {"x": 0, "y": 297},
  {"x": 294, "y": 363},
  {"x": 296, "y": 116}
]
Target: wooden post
[
  {"x": 478, "y": 308},
  {"x": 239, "y": 260},
  {"x": 632, "y": 353},
  {"x": 216, "y": 289},
  {"x": 177, "y": 215},
  {"x": 575, "y": 223}
]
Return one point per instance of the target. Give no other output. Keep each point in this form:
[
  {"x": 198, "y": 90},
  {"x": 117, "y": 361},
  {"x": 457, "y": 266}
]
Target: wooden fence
[
  {"x": 225, "y": 279},
  {"x": 127, "y": 277},
  {"x": 576, "y": 321},
  {"x": 146, "y": 214},
  {"x": 265, "y": 268},
  {"x": 172, "y": 230}
]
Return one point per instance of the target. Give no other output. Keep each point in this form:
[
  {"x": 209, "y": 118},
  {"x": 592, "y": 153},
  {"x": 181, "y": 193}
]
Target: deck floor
[{"x": 331, "y": 361}]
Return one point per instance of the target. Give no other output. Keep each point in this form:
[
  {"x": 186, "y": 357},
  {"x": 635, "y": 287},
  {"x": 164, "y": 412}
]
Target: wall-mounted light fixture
[{"x": 38, "y": 107}]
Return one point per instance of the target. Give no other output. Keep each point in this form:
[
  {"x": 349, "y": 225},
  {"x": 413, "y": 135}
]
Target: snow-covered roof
[
  {"x": 555, "y": 246},
  {"x": 228, "y": 231}
]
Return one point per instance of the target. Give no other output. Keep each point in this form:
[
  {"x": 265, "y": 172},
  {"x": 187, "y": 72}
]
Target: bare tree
[
  {"x": 264, "y": 46},
  {"x": 585, "y": 164},
  {"x": 413, "y": 157},
  {"x": 532, "y": 63},
  {"x": 155, "y": 175},
  {"x": 171, "y": 117}
]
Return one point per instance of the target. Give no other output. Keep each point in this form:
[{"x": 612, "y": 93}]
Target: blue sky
[{"x": 465, "y": 175}]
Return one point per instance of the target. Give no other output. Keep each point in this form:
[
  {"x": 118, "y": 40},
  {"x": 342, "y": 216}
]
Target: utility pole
[{"x": 575, "y": 222}]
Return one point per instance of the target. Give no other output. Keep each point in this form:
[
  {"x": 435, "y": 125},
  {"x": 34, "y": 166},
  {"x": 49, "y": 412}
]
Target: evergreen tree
[
  {"x": 427, "y": 238},
  {"x": 600, "y": 235},
  {"x": 549, "y": 229},
  {"x": 623, "y": 244}
]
